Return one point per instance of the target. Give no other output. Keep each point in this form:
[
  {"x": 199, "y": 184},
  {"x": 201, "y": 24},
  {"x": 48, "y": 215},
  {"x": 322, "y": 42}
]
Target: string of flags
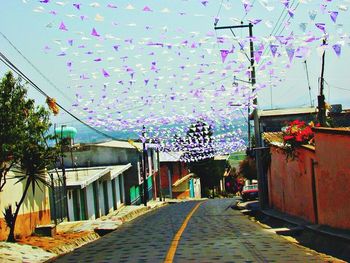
[{"x": 128, "y": 66}]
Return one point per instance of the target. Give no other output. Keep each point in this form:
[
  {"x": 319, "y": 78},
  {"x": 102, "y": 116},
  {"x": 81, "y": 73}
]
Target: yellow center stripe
[{"x": 174, "y": 243}]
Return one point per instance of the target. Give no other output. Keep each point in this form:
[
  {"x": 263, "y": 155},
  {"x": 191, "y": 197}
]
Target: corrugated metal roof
[
  {"x": 82, "y": 177},
  {"x": 291, "y": 111}
]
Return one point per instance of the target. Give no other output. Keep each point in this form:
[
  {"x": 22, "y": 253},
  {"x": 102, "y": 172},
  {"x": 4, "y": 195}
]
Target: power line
[
  {"x": 7, "y": 62},
  {"x": 35, "y": 68}
]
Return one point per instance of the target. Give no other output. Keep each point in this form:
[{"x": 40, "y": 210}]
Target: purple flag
[
  {"x": 257, "y": 55},
  {"x": 94, "y": 33},
  {"x": 290, "y": 53},
  {"x": 111, "y": 6},
  {"x": 334, "y": 15},
  {"x": 321, "y": 26},
  {"x": 105, "y": 73},
  {"x": 63, "y": 27},
  {"x": 337, "y": 49},
  {"x": 70, "y": 42},
  {"x": 147, "y": 9},
  {"x": 224, "y": 53},
  {"x": 77, "y": 6},
  {"x": 273, "y": 49}
]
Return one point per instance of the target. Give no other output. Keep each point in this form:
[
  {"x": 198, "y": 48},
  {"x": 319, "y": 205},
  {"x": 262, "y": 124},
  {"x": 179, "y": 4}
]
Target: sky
[{"x": 119, "y": 65}]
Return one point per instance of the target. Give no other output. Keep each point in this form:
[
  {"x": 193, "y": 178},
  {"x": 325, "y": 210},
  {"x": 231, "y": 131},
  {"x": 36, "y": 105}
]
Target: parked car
[{"x": 250, "y": 192}]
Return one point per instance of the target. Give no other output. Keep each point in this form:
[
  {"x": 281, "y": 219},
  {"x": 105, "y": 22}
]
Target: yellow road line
[{"x": 174, "y": 243}]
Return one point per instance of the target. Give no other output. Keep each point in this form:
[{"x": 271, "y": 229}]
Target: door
[
  {"x": 76, "y": 206},
  {"x": 105, "y": 197},
  {"x": 95, "y": 194},
  {"x": 83, "y": 204}
]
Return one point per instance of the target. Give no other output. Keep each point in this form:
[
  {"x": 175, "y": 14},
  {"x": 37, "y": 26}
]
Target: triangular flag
[
  {"x": 334, "y": 15},
  {"x": 94, "y": 33},
  {"x": 224, "y": 53},
  {"x": 63, "y": 27},
  {"x": 337, "y": 49}
]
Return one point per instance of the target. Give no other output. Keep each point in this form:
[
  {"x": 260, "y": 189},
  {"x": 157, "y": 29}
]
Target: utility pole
[
  {"x": 321, "y": 116},
  {"x": 262, "y": 179},
  {"x": 144, "y": 167}
]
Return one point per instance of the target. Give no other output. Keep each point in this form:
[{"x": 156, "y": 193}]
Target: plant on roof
[{"x": 296, "y": 134}]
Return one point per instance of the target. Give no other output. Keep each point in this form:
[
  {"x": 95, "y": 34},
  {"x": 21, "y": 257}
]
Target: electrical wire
[
  {"x": 8, "y": 63},
  {"x": 35, "y": 68}
]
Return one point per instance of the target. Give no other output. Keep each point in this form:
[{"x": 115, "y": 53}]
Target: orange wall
[
  {"x": 290, "y": 185},
  {"x": 290, "y": 182},
  {"x": 25, "y": 224},
  {"x": 333, "y": 178}
]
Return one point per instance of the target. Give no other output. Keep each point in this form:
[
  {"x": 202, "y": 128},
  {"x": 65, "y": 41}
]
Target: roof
[
  {"x": 117, "y": 144},
  {"x": 169, "y": 156},
  {"x": 291, "y": 111},
  {"x": 82, "y": 177},
  {"x": 183, "y": 179}
]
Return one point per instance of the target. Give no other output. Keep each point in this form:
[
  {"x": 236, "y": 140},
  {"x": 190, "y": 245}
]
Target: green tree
[
  {"x": 29, "y": 151},
  {"x": 14, "y": 107},
  {"x": 247, "y": 168}
]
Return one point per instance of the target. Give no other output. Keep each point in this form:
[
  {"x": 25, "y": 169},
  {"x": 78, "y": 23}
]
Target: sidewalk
[
  {"x": 71, "y": 235},
  {"x": 321, "y": 237}
]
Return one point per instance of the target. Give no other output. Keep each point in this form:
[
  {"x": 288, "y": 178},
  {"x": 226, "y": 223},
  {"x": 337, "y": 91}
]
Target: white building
[{"x": 94, "y": 191}]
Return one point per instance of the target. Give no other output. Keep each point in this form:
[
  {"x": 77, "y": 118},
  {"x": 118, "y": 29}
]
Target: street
[{"x": 215, "y": 233}]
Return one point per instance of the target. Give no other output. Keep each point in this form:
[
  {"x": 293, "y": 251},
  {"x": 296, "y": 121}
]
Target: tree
[
  {"x": 14, "y": 108},
  {"x": 247, "y": 168},
  {"x": 30, "y": 152}
]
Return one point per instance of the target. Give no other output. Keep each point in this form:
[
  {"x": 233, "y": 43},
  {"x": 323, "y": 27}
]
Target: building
[
  {"x": 93, "y": 192},
  {"x": 34, "y": 211},
  {"x": 314, "y": 185},
  {"x": 113, "y": 153},
  {"x": 274, "y": 120},
  {"x": 176, "y": 181}
]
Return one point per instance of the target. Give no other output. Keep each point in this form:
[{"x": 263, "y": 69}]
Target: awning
[{"x": 82, "y": 177}]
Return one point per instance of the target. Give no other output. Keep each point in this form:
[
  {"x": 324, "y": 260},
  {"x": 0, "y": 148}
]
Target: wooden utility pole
[
  {"x": 262, "y": 179},
  {"x": 321, "y": 116}
]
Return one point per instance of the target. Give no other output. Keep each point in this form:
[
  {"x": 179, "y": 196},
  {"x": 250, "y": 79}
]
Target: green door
[
  {"x": 76, "y": 208},
  {"x": 83, "y": 204}
]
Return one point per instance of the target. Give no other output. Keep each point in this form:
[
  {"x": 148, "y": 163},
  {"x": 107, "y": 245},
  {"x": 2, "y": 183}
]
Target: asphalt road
[{"x": 215, "y": 233}]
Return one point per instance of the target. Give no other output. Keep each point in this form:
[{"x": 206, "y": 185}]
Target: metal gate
[{"x": 58, "y": 198}]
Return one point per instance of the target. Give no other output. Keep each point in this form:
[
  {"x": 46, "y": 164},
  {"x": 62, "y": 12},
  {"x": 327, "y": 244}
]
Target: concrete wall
[
  {"x": 291, "y": 182},
  {"x": 290, "y": 188},
  {"x": 333, "y": 177},
  {"x": 89, "y": 156},
  {"x": 34, "y": 211},
  {"x": 177, "y": 170}
]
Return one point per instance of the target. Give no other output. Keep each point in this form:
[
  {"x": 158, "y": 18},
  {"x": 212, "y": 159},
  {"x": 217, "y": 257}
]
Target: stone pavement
[
  {"x": 215, "y": 233},
  {"x": 13, "y": 252},
  {"x": 71, "y": 235}
]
